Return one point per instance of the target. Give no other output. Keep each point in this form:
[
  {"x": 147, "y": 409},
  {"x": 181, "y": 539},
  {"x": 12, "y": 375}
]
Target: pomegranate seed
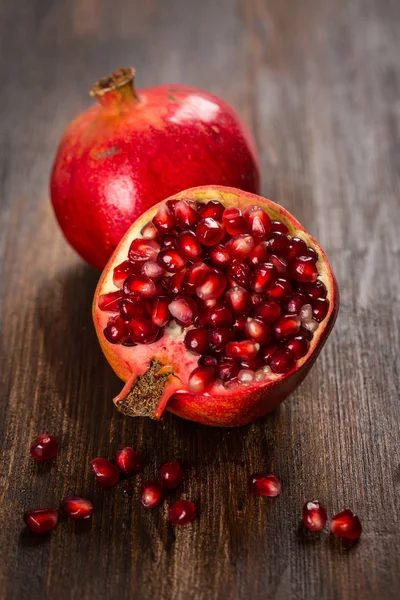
[
  {"x": 164, "y": 220},
  {"x": 195, "y": 275},
  {"x": 306, "y": 334},
  {"x": 141, "y": 285},
  {"x": 183, "y": 309},
  {"x": 201, "y": 379},
  {"x": 320, "y": 309},
  {"x": 219, "y": 256},
  {"x": 268, "y": 312},
  {"x": 314, "y": 515},
  {"x": 246, "y": 376},
  {"x": 263, "y": 373},
  {"x": 196, "y": 340},
  {"x": 295, "y": 302},
  {"x": 280, "y": 227},
  {"x": 210, "y": 232},
  {"x": 160, "y": 314},
  {"x": 128, "y": 461},
  {"x": 213, "y": 209},
  {"x": 212, "y": 286},
  {"x": 171, "y": 260},
  {"x": 44, "y": 447},
  {"x": 185, "y": 214},
  {"x": 268, "y": 352},
  {"x": 258, "y": 331},
  {"x": 238, "y": 299},
  {"x": 261, "y": 484},
  {"x": 306, "y": 312},
  {"x": 219, "y": 317},
  {"x": 142, "y": 330},
  {"x": 311, "y": 252},
  {"x": 234, "y": 221},
  {"x": 252, "y": 363},
  {"x": 240, "y": 246},
  {"x": 239, "y": 326},
  {"x": 279, "y": 244},
  {"x": 298, "y": 346},
  {"x": 279, "y": 290},
  {"x": 297, "y": 247},
  {"x": 243, "y": 349},
  {"x": 41, "y": 520},
  {"x": 259, "y": 222},
  {"x": 150, "y": 232},
  {"x": 182, "y": 512},
  {"x": 189, "y": 245},
  {"x": 239, "y": 272},
  {"x": 122, "y": 272},
  {"x": 151, "y": 494},
  {"x": 110, "y": 302},
  {"x": 346, "y": 524},
  {"x": 106, "y": 473},
  {"x": 316, "y": 289},
  {"x": 256, "y": 299},
  {"x": 259, "y": 254},
  {"x": 176, "y": 283},
  {"x": 77, "y": 508},
  {"x": 264, "y": 276},
  {"x": 311, "y": 326},
  {"x": 171, "y": 204},
  {"x": 287, "y": 325},
  {"x": 304, "y": 269},
  {"x": 171, "y": 475},
  {"x": 279, "y": 263},
  {"x": 207, "y": 361},
  {"x": 219, "y": 337},
  {"x": 282, "y": 361},
  {"x": 115, "y": 330},
  {"x": 142, "y": 249},
  {"x": 132, "y": 307},
  {"x": 228, "y": 371},
  {"x": 153, "y": 270}
]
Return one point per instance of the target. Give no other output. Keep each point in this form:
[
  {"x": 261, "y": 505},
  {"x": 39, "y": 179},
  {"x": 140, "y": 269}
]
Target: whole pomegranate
[
  {"x": 135, "y": 148},
  {"x": 214, "y": 306}
]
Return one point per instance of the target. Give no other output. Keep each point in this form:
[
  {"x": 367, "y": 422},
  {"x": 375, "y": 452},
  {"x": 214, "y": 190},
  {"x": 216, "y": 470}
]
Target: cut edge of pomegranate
[{"x": 155, "y": 383}]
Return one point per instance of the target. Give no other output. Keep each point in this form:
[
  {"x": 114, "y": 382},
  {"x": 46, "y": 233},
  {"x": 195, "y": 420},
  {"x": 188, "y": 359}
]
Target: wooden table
[{"x": 319, "y": 82}]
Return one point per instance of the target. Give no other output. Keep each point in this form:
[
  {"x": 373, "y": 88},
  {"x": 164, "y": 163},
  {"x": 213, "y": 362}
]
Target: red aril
[
  {"x": 151, "y": 494},
  {"x": 239, "y": 335},
  {"x": 44, "y": 447},
  {"x": 170, "y": 475},
  {"x": 314, "y": 515},
  {"x": 240, "y": 246},
  {"x": 320, "y": 307},
  {"x": 164, "y": 219},
  {"x": 128, "y": 461},
  {"x": 110, "y": 302},
  {"x": 259, "y": 222},
  {"x": 304, "y": 269},
  {"x": 182, "y": 512},
  {"x": 346, "y": 524},
  {"x": 41, "y": 520},
  {"x": 262, "y": 484},
  {"x": 234, "y": 221},
  {"x": 77, "y": 508},
  {"x": 105, "y": 472}
]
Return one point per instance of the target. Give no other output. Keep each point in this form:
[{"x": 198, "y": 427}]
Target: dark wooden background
[{"x": 319, "y": 82}]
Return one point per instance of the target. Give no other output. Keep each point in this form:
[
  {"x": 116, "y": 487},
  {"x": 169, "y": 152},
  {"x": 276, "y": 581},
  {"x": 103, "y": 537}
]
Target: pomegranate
[
  {"x": 346, "y": 524},
  {"x": 151, "y": 494},
  {"x": 262, "y": 484},
  {"x": 182, "y": 512},
  {"x": 105, "y": 472},
  {"x": 44, "y": 447},
  {"x": 134, "y": 148},
  {"x": 41, "y": 520},
  {"x": 77, "y": 508},
  {"x": 128, "y": 461},
  {"x": 170, "y": 475},
  {"x": 223, "y": 353}
]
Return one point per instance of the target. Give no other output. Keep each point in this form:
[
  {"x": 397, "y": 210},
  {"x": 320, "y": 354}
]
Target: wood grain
[{"x": 319, "y": 81}]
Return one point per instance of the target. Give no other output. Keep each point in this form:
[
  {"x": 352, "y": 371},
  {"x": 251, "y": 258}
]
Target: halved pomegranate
[{"x": 225, "y": 351}]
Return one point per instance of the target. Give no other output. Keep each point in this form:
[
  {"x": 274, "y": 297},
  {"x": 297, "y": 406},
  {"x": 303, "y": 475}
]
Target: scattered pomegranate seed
[
  {"x": 189, "y": 245},
  {"x": 262, "y": 484},
  {"x": 213, "y": 209},
  {"x": 41, "y": 520},
  {"x": 182, "y": 512},
  {"x": 44, "y": 447},
  {"x": 196, "y": 340},
  {"x": 286, "y": 326},
  {"x": 151, "y": 494},
  {"x": 77, "y": 508},
  {"x": 210, "y": 232},
  {"x": 164, "y": 220},
  {"x": 128, "y": 461},
  {"x": 185, "y": 214},
  {"x": 243, "y": 349},
  {"x": 314, "y": 515},
  {"x": 142, "y": 249},
  {"x": 170, "y": 475},
  {"x": 304, "y": 269},
  {"x": 282, "y": 361},
  {"x": 160, "y": 314},
  {"x": 110, "y": 302},
  {"x": 201, "y": 379},
  {"x": 106, "y": 473},
  {"x": 346, "y": 524}
]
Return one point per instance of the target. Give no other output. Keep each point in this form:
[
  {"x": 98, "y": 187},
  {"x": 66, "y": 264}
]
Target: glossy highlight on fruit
[
  {"x": 128, "y": 461},
  {"x": 314, "y": 515},
  {"x": 136, "y": 147},
  {"x": 44, "y": 447},
  {"x": 182, "y": 512},
  {"x": 347, "y": 525},
  {"x": 221, "y": 340},
  {"x": 263, "y": 484},
  {"x": 77, "y": 508},
  {"x": 41, "y": 520},
  {"x": 105, "y": 472}
]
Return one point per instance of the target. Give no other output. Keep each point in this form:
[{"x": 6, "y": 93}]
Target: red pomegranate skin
[{"x": 133, "y": 149}]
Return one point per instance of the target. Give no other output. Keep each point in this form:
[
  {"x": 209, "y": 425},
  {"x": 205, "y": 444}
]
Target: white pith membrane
[{"x": 170, "y": 350}]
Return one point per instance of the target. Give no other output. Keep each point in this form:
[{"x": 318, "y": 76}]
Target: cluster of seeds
[{"x": 246, "y": 292}]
